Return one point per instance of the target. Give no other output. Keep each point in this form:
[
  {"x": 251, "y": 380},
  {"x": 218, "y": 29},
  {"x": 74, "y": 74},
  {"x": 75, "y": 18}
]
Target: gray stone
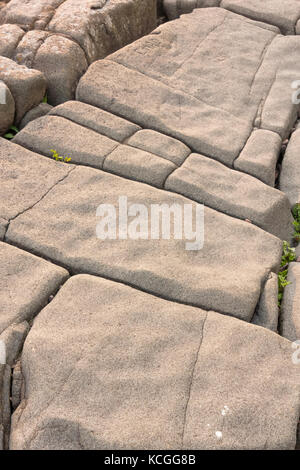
[
  {"x": 138, "y": 165},
  {"x": 96, "y": 119},
  {"x": 267, "y": 311},
  {"x": 100, "y": 31},
  {"x": 175, "y": 8},
  {"x": 39, "y": 111},
  {"x": 26, "y": 283},
  {"x": 13, "y": 337},
  {"x": 237, "y": 194},
  {"x": 71, "y": 140},
  {"x": 16, "y": 386},
  {"x": 7, "y": 108},
  {"x": 160, "y": 144},
  {"x": 259, "y": 156},
  {"x": 28, "y": 47},
  {"x": 27, "y": 86},
  {"x": 5, "y": 379},
  {"x": 25, "y": 178},
  {"x": 252, "y": 65},
  {"x": 146, "y": 373},
  {"x": 290, "y": 309},
  {"x": 223, "y": 275},
  {"x": 10, "y": 35},
  {"x": 290, "y": 171}
]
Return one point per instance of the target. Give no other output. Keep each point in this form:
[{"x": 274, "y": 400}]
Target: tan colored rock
[
  {"x": 7, "y": 108},
  {"x": 27, "y": 86},
  {"x": 259, "y": 156},
  {"x": 267, "y": 312},
  {"x": 13, "y": 338},
  {"x": 25, "y": 178},
  {"x": 39, "y": 111},
  {"x": 133, "y": 371},
  {"x": 237, "y": 77},
  {"x": 160, "y": 144},
  {"x": 10, "y": 35},
  {"x": 3, "y": 226},
  {"x": 26, "y": 283},
  {"x": 209, "y": 182},
  {"x": 96, "y": 119},
  {"x": 224, "y": 275}
]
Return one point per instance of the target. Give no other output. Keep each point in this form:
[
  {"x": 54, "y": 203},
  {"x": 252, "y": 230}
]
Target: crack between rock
[
  {"x": 36, "y": 202},
  {"x": 191, "y": 382}
]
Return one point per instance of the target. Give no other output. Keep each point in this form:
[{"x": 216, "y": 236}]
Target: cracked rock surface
[{"x": 172, "y": 381}]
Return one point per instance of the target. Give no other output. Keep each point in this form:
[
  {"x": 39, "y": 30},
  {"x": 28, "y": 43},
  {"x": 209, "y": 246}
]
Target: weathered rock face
[
  {"x": 60, "y": 38},
  {"x": 81, "y": 132},
  {"x": 283, "y": 14},
  {"x": 27, "y": 86},
  {"x": 290, "y": 311},
  {"x": 290, "y": 173},
  {"x": 213, "y": 98},
  {"x": 203, "y": 278},
  {"x": 132, "y": 371}
]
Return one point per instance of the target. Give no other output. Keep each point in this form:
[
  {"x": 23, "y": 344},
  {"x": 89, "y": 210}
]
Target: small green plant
[
  {"x": 296, "y": 214},
  {"x": 13, "y": 130},
  {"x": 45, "y": 99},
  {"x": 288, "y": 255},
  {"x": 59, "y": 157}
]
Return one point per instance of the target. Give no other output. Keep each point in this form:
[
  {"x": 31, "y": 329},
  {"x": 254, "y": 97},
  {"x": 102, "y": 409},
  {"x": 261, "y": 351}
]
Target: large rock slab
[
  {"x": 290, "y": 171},
  {"x": 223, "y": 275},
  {"x": 26, "y": 283},
  {"x": 283, "y": 14},
  {"x": 213, "y": 184},
  {"x": 290, "y": 308},
  {"x": 189, "y": 379},
  {"x": 25, "y": 178},
  {"x": 27, "y": 86},
  {"x": 183, "y": 100},
  {"x": 153, "y": 158}
]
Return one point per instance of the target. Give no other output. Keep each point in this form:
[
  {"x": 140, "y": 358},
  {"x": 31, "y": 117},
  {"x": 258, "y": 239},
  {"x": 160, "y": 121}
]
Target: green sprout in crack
[
  {"x": 12, "y": 131},
  {"x": 296, "y": 214},
  {"x": 59, "y": 158},
  {"x": 288, "y": 256}
]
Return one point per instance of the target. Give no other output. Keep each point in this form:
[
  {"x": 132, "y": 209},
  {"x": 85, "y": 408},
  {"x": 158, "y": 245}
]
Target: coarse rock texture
[
  {"x": 282, "y": 13},
  {"x": 175, "y": 380},
  {"x": 154, "y": 159},
  {"x": 96, "y": 119},
  {"x": 26, "y": 283},
  {"x": 225, "y": 275},
  {"x": 209, "y": 182},
  {"x": 3, "y": 226},
  {"x": 290, "y": 172},
  {"x": 39, "y": 111},
  {"x": 25, "y": 178},
  {"x": 13, "y": 338},
  {"x": 259, "y": 156},
  {"x": 61, "y": 37},
  {"x": 290, "y": 309},
  {"x": 237, "y": 77},
  {"x": 27, "y": 86},
  {"x": 7, "y": 108}
]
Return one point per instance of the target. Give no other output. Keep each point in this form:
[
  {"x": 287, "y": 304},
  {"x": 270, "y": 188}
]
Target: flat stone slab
[
  {"x": 25, "y": 178},
  {"x": 76, "y": 130},
  {"x": 290, "y": 309},
  {"x": 290, "y": 171},
  {"x": 26, "y": 283},
  {"x": 183, "y": 99},
  {"x": 222, "y": 276},
  {"x": 189, "y": 379},
  {"x": 283, "y": 14},
  {"x": 7, "y": 108}
]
